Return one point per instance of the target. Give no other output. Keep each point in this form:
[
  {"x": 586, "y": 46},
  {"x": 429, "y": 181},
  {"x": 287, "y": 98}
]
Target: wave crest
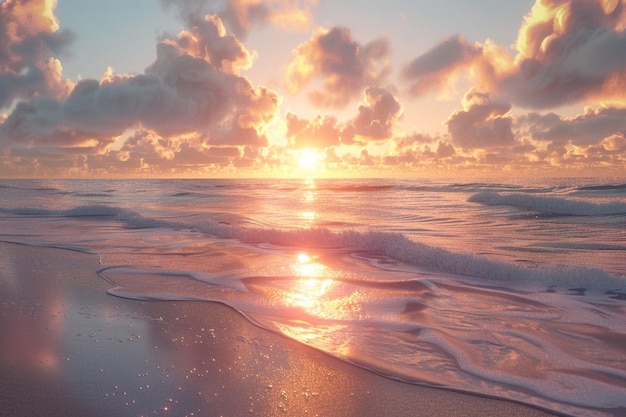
[
  {"x": 393, "y": 245},
  {"x": 549, "y": 205}
]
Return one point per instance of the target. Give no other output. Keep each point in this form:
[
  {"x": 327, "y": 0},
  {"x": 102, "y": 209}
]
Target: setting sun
[
  {"x": 220, "y": 177},
  {"x": 308, "y": 160}
]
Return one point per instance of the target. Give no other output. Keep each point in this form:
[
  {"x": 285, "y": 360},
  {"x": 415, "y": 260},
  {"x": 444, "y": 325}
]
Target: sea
[{"x": 514, "y": 289}]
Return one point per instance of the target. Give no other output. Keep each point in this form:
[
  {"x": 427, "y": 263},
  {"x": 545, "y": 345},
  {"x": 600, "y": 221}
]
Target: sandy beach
[{"x": 70, "y": 349}]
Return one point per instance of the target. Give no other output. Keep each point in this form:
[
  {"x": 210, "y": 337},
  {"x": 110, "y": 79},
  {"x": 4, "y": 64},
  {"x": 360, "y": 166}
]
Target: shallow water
[{"x": 517, "y": 291}]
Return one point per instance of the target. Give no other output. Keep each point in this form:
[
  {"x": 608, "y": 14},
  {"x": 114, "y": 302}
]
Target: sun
[{"x": 308, "y": 160}]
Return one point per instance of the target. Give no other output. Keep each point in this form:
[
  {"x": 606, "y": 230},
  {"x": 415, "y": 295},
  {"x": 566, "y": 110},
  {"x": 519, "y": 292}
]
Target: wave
[
  {"x": 607, "y": 187},
  {"x": 194, "y": 194},
  {"x": 393, "y": 245},
  {"x": 25, "y": 188},
  {"x": 356, "y": 188},
  {"x": 401, "y": 248},
  {"x": 549, "y": 205}
]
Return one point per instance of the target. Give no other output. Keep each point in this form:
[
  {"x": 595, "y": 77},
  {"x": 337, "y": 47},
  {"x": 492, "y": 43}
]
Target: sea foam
[
  {"x": 548, "y": 204},
  {"x": 394, "y": 245}
]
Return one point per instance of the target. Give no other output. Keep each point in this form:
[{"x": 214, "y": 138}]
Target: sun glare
[
  {"x": 303, "y": 258},
  {"x": 311, "y": 286},
  {"x": 308, "y": 160},
  {"x": 306, "y": 266}
]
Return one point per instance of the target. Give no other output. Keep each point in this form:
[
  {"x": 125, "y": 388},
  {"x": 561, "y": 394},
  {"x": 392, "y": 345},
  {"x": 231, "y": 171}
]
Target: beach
[
  {"x": 303, "y": 208},
  {"x": 69, "y": 348}
]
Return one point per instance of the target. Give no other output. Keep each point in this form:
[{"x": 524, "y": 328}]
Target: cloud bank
[
  {"x": 193, "y": 111},
  {"x": 192, "y": 97},
  {"x": 566, "y": 52}
]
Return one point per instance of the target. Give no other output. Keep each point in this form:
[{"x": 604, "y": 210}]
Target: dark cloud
[
  {"x": 343, "y": 65},
  {"x": 14, "y": 86}
]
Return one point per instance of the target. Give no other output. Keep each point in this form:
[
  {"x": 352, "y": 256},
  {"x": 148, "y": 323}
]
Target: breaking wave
[
  {"x": 549, "y": 205},
  {"x": 393, "y": 245}
]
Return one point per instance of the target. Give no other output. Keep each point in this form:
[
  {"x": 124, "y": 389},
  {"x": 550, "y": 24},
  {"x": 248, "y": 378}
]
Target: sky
[{"x": 282, "y": 88}]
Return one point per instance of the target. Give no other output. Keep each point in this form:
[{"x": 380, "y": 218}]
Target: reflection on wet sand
[{"x": 69, "y": 349}]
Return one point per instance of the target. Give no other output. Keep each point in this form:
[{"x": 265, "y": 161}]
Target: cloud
[
  {"x": 192, "y": 88},
  {"x": 569, "y": 51},
  {"x": 287, "y": 14},
  {"x": 566, "y": 52},
  {"x": 483, "y": 122},
  {"x": 192, "y": 110},
  {"x": 343, "y": 66},
  {"x": 408, "y": 142},
  {"x": 377, "y": 116},
  {"x": 440, "y": 67},
  {"x": 433, "y": 69},
  {"x": 615, "y": 144},
  {"x": 146, "y": 152},
  {"x": 241, "y": 15},
  {"x": 207, "y": 39},
  {"x": 321, "y": 132},
  {"x": 375, "y": 120},
  {"x": 29, "y": 41},
  {"x": 590, "y": 128},
  {"x": 445, "y": 149},
  {"x": 416, "y": 150}
]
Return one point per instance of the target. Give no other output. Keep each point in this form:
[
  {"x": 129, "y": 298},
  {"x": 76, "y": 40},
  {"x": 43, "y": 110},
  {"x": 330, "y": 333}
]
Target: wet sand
[{"x": 69, "y": 349}]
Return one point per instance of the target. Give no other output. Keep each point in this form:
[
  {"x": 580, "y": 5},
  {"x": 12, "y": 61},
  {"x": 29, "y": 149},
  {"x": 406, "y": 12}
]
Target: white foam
[
  {"x": 549, "y": 204},
  {"x": 394, "y": 245}
]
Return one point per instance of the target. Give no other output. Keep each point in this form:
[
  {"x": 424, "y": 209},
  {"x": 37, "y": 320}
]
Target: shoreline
[{"x": 69, "y": 348}]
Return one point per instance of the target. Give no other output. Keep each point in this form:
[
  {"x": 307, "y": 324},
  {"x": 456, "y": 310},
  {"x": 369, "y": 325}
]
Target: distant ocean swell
[
  {"x": 549, "y": 205},
  {"x": 394, "y": 245},
  {"x": 516, "y": 292}
]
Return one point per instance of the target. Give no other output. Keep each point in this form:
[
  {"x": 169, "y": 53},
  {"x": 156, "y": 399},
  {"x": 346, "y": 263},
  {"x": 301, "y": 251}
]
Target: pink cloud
[
  {"x": 207, "y": 39},
  {"x": 590, "y": 128},
  {"x": 410, "y": 141},
  {"x": 377, "y": 116},
  {"x": 343, "y": 65},
  {"x": 483, "y": 123},
  {"x": 321, "y": 132},
  {"x": 29, "y": 41},
  {"x": 567, "y": 51},
  {"x": 241, "y": 15},
  {"x": 192, "y": 88},
  {"x": 433, "y": 69}
]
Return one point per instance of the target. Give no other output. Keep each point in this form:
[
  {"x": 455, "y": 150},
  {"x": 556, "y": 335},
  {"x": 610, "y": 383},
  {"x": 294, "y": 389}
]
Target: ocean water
[{"x": 511, "y": 290}]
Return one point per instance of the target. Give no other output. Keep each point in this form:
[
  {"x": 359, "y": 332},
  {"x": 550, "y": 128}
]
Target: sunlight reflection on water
[{"x": 405, "y": 278}]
